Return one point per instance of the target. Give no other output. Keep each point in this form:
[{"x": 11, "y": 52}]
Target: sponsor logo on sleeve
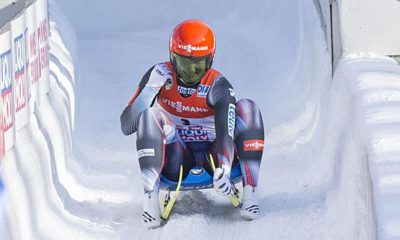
[
  {"x": 160, "y": 76},
  {"x": 159, "y": 72},
  {"x": 231, "y": 119},
  {"x": 148, "y": 152},
  {"x": 232, "y": 92},
  {"x": 253, "y": 145},
  {"x": 202, "y": 90}
]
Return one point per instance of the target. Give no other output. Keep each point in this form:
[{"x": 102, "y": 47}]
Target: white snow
[
  {"x": 331, "y": 168},
  {"x": 375, "y": 82}
]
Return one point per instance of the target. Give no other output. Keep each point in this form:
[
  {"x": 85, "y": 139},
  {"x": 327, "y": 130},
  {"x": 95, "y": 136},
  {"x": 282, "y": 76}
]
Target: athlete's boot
[
  {"x": 151, "y": 216},
  {"x": 250, "y": 208}
]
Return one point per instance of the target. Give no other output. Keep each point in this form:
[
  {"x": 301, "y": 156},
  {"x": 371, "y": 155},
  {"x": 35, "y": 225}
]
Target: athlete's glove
[{"x": 222, "y": 181}]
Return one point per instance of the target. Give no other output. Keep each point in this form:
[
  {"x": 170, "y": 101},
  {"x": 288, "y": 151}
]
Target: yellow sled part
[{"x": 171, "y": 202}]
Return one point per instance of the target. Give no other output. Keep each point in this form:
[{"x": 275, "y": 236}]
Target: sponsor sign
[
  {"x": 19, "y": 71},
  {"x": 24, "y": 61},
  {"x": 253, "y": 145},
  {"x": 42, "y": 33},
  {"x": 147, "y": 152},
  {"x": 20, "y": 83},
  {"x": 159, "y": 72},
  {"x": 7, "y": 119},
  {"x": 43, "y": 46},
  {"x": 179, "y": 107},
  {"x": 34, "y": 60},
  {"x": 32, "y": 68},
  {"x": 231, "y": 119},
  {"x": 189, "y": 48},
  {"x": 232, "y": 92},
  {"x": 6, "y": 90},
  {"x": 202, "y": 90},
  {"x": 186, "y": 91},
  {"x": 192, "y": 133}
]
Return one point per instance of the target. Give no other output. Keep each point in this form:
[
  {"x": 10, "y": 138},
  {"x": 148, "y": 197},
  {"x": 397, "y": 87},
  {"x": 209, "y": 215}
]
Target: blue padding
[{"x": 200, "y": 181}]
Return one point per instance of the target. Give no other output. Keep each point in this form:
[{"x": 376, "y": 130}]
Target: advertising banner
[
  {"x": 6, "y": 86},
  {"x": 19, "y": 53},
  {"x": 43, "y": 47},
  {"x": 2, "y": 147},
  {"x": 32, "y": 56},
  {"x": 24, "y": 70}
]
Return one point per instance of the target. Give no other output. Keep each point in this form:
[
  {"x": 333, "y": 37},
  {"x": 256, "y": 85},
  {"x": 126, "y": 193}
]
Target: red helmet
[{"x": 192, "y": 38}]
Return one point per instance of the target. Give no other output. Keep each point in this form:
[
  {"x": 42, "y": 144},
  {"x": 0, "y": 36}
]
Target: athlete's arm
[
  {"x": 144, "y": 97},
  {"x": 221, "y": 97}
]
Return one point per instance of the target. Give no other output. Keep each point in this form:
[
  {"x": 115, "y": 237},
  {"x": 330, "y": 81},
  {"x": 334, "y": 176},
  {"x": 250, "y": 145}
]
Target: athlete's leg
[
  {"x": 155, "y": 131},
  {"x": 249, "y": 140},
  {"x": 150, "y": 144},
  {"x": 160, "y": 149}
]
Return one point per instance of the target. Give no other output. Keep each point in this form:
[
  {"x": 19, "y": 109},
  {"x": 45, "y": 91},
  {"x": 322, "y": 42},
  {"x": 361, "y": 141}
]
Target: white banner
[
  {"x": 43, "y": 47},
  {"x": 24, "y": 69},
  {"x": 19, "y": 50},
  {"x": 32, "y": 56},
  {"x": 6, "y": 85}
]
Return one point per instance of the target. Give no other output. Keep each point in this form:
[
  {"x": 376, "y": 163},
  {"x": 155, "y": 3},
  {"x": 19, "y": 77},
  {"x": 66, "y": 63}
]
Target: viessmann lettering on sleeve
[
  {"x": 253, "y": 145},
  {"x": 147, "y": 152}
]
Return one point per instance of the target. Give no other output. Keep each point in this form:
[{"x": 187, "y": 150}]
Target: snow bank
[
  {"x": 374, "y": 83},
  {"x": 2, "y": 203}
]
